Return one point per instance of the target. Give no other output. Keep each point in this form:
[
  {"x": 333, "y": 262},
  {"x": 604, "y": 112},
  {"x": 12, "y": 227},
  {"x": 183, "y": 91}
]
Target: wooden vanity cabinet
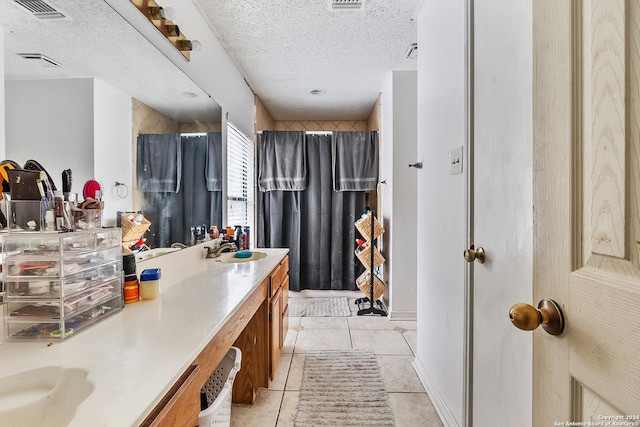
[
  {"x": 245, "y": 329},
  {"x": 278, "y": 313},
  {"x": 258, "y": 329}
]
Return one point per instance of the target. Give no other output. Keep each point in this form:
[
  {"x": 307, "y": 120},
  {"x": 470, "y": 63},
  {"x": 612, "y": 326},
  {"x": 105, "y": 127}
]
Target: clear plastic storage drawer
[{"x": 58, "y": 283}]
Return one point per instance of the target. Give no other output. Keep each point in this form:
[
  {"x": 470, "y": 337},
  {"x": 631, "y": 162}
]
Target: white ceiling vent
[
  {"x": 346, "y": 4},
  {"x": 40, "y": 59},
  {"x": 40, "y": 9}
]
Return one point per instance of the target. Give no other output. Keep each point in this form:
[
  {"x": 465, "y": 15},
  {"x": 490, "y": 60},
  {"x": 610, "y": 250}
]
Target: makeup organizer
[{"x": 57, "y": 284}]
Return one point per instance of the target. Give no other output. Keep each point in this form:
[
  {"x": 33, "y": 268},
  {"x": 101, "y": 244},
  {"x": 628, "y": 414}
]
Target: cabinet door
[
  {"x": 254, "y": 373},
  {"x": 275, "y": 328},
  {"x": 284, "y": 320},
  {"x": 181, "y": 405}
]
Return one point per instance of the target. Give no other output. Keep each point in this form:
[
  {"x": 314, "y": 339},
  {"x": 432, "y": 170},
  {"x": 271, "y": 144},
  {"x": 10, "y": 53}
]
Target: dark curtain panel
[
  {"x": 158, "y": 162},
  {"x": 315, "y": 224},
  {"x": 173, "y": 214}
]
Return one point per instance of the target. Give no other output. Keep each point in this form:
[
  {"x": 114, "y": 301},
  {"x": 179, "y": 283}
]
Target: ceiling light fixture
[
  {"x": 162, "y": 19},
  {"x": 412, "y": 52},
  {"x": 318, "y": 92}
]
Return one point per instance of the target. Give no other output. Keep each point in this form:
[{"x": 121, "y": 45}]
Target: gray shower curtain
[
  {"x": 173, "y": 213},
  {"x": 316, "y": 224}
]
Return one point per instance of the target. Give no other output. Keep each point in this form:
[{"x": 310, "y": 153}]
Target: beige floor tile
[
  {"x": 371, "y": 322},
  {"x": 290, "y": 341},
  {"x": 409, "y": 325},
  {"x": 263, "y": 413},
  {"x": 288, "y": 409},
  {"x": 411, "y": 337},
  {"x": 282, "y": 372},
  {"x": 399, "y": 375},
  {"x": 414, "y": 410},
  {"x": 325, "y": 323},
  {"x": 294, "y": 321},
  {"x": 294, "y": 380},
  {"x": 381, "y": 341},
  {"x": 322, "y": 339}
]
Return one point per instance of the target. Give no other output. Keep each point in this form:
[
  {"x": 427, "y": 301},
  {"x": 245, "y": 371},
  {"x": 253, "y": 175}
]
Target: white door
[
  {"x": 586, "y": 174},
  {"x": 502, "y": 211}
]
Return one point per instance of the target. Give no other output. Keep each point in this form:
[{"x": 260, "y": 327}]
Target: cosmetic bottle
[{"x": 58, "y": 207}]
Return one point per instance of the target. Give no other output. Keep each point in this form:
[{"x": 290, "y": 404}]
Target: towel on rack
[
  {"x": 355, "y": 160},
  {"x": 159, "y": 162},
  {"x": 282, "y": 161},
  {"x": 213, "y": 171}
]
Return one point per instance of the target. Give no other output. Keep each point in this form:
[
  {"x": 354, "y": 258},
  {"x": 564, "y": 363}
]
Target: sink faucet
[{"x": 215, "y": 252}]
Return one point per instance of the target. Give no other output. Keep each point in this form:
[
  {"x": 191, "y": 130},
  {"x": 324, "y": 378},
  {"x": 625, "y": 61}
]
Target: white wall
[
  {"x": 398, "y": 141},
  {"x": 51, "y": 121},
  {"x": 78, "y": 124},
  {"x": 441, "y": 206},
  {"x": 112, "y": 149}
]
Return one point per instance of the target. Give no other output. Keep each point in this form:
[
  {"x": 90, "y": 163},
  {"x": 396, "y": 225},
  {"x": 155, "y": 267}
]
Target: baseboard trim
[
  {"x": 447, "y": 418},
  {"x": 403, "y": 315}
]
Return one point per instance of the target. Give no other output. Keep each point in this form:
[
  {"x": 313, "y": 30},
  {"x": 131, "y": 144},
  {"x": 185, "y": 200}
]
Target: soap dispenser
[{"x": 238, "y": 237}]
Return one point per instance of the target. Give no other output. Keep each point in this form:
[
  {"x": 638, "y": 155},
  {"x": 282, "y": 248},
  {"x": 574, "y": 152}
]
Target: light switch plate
[{"x": 455, "y": 158}]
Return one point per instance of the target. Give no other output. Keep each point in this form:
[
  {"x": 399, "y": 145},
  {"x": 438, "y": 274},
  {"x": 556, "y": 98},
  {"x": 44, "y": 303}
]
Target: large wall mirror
[{"x": 100, "y": 88}]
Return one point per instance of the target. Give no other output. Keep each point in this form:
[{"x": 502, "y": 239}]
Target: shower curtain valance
[
  {"x": 282, "y": 161},
  {"x": 158, "y": 166},
  {"x": 355, "y": 160},
  {"x": 213, "y": 169}
]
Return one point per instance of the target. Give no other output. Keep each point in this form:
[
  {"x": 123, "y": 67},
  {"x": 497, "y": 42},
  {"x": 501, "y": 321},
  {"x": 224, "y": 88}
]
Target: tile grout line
[{"x": 284, "y": 387}]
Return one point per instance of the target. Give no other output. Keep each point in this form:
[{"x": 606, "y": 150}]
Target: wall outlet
[{"x": 455, "y": 158}]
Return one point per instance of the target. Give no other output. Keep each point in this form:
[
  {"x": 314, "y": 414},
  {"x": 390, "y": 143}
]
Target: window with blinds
[{"x": 240, "y": 167}]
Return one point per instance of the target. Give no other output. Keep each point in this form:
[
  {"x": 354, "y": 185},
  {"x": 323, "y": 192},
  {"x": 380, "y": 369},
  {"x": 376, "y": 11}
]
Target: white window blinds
[{"x": 240, "y": 176}]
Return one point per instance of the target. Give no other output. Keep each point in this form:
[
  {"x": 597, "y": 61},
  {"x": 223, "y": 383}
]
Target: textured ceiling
[
  {"x": 97, "y": 42},
  {"x": 286, "y": 48}
]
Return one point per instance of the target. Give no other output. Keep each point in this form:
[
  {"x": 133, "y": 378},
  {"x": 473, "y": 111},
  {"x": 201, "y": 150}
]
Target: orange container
[{"x": 131, "y": 291}]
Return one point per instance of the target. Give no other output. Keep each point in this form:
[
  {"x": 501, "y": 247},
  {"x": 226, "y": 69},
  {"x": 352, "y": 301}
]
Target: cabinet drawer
[{"x": 278, "y": 275}]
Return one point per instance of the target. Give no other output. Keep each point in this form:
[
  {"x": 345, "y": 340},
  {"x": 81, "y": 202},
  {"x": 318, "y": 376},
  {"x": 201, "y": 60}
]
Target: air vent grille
[
  {"x": 40, "y": 59},
  {"x": 40, "y": 9},
  {"x": 347, "y": 4}
]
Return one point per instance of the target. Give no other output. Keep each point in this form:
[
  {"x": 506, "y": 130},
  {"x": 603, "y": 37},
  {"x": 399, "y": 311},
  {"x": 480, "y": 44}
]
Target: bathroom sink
[
  {"x": 152, "y": 253},
  {"x": 43, "y": 396},
  {"x": 230, "y": 257}
]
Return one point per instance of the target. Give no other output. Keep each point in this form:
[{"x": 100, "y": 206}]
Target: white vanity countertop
[{"x": 135, "y": 356}]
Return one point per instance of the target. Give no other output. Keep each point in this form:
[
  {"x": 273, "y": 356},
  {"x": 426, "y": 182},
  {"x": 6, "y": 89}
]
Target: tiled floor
[{"x": 393, "y": 342}]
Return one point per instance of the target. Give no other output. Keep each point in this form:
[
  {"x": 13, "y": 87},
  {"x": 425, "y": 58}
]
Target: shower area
[{"x": 312, "y": 187}]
